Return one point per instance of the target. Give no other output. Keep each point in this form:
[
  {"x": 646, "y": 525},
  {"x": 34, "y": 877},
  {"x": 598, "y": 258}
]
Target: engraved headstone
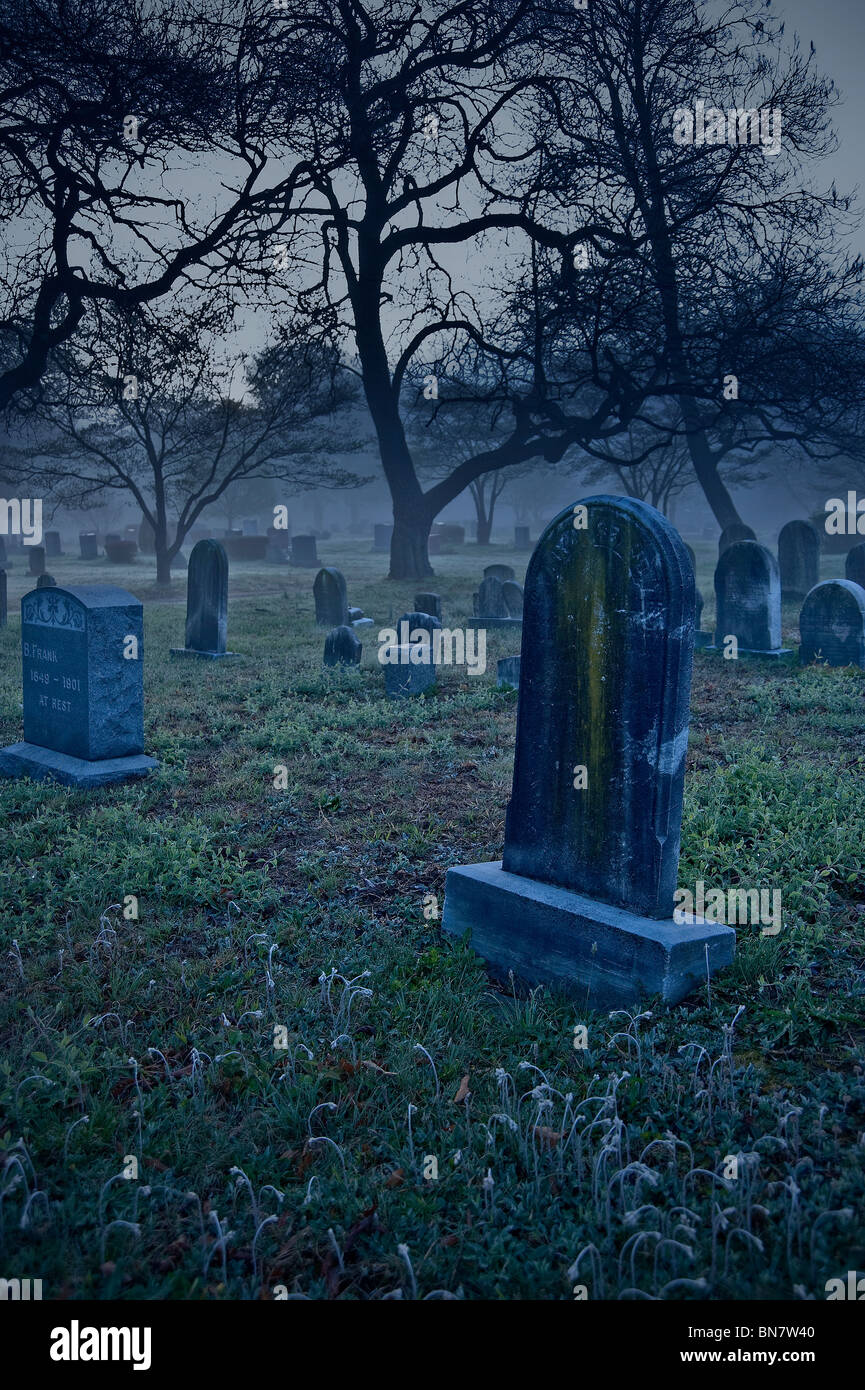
[
  {"x": 36, "y": 562},
  {"x": 303, "y": 552},
  {"x": 500, "y": 572},
  {"x": 53, "y": 545},
  {"x": 737, "y": 531},
  {"x": 748, "y": 599},
  {"x": 854, "y": 564},
  {"x": 341, "y": 647},
  {"x": 584, "y": 895},
  {"x": 206, "y": 603},
  {"x": 89, "y": 544},
  {"x": 832, "y": 624},
  {"x": 82, "y": 651},
  {"x": 429, "y": 603},
  {"x": 331, "y": 601},
  {"x": 798, "y": 559}
]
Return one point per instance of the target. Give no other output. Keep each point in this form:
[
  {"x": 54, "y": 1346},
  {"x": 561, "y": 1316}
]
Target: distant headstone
[
  {"x": 341, "y": 648},
  {"x": 410, "y": 623},
  {"x": 798, "y": 559},
  {"x": 404, "y": 675},
  {"x": 748, "y": 599},
  {"x": 584, "y": 896},
  {"x": 146, "y": 538},
  {"x": 331, "y": 602},
  {"x": 434, "y": 544},
  {"x": 53, "y": 545},
  {"x": 4, "y": 600},
  {"x": 250, "y": 526},
  {"x": 731, "y": 534},
  {"x": 500, "y": 572},
  {"x": 513, "y": 597},
  {"x": 276, "y": 549},
  {"x": 82, "y": 652},
  {"x": 89, "y": 544},
  {"x": 120, "y": 551},
  {"x": 303, "y": 552},
  {"x": 522, "y": 538},
  {"x": 381, "y": 534},
  {"x": 491, "y": 604},
  {"x": 37, "y": 559},
  {"x": 46, "y": 581},
  {"x": 832, "y": 624},
  {"x": 452, "y": 535},
  {"x": 429, "y": 603},
  {"x": 854, "y": 565},
  {"x": 206, "y": 603},
  {"x": 354, "y": 614},
  {"x": 508, "y": 671}
]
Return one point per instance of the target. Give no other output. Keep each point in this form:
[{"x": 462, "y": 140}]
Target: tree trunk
[
  {"x": 163, "y": 565},
  {"x": 409, "y": 558},
  {"x": 485, "y": 527}
]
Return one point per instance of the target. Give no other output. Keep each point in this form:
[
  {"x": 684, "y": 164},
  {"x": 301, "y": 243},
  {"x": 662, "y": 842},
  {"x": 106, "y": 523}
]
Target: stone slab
[
  {"x": 45, "y": 764},
  {"x": 605, "y": 956}
]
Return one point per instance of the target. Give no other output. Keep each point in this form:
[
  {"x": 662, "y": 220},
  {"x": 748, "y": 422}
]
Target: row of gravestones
[
  {"x": 382, "y": 534},
  {"x": 583, "y": 897},
  {"x": 749, "y": 590}
]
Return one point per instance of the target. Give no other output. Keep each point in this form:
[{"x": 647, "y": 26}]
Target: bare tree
[{"x": 176, "y": 422}]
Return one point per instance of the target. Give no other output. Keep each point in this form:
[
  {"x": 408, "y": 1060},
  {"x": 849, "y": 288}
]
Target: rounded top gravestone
[
  {"x": 832, "y": 624},
  {"x": 737, "y": 531},
  {"x": 798, "y": 558},
  {"x": 748, "y": 597},
  {"x": 82, "y": 671},
  {"x": 500, "y": 572},
  {"x": 207, "y": 598},
  {"x": 331, "y": 599},
  {"x": 605, "y": 672}
]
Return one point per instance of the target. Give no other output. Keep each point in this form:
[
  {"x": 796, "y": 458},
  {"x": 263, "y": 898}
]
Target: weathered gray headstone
[
  {"x": 832, "y": 624},
  {"x": 522, "y": 538},
  {"x": 404, "y": 677},
  {"x": 513, "y": 597},
  {"x": 382, "y": 534},
  {"x": 36, "y": 561},
  {"x": 854, "y": 565},
  {"x": 89, "y": 543},
  {"x": 53, "y": 546},
  {"x": 46, "y": 581},
  {"x": 331, "y": 601},
  {"x": 4, "y": 600},
  {"x": 276, "y": 550},
  {"x": 490, "y": 603},
  {"x": 584, "y": 895},
  {"x": 500, "y": 572},
  {"x": 429, "y": 603},
  {"x": 82, "y": 652},
  {"x": 304, "y": 553},
  {"x": 341, "y": 648},
  {"x": 798, "y": 559},
  {"x": 508, "y": 671},
  {"x": 748, "y": 599},
  {"x": 206, "y": 603},
  {"x": 354, "y": 614},
  {"x": 733, "y": 533},
  {"x": 416, "y": 622}
]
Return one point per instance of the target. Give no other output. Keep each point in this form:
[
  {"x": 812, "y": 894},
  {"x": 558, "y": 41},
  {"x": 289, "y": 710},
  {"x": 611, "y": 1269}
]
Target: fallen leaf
[
  {"x": 396, "y": 1178},
  {"x": 547, "y": 1135},
  {"x": 462, "y": 1092}
]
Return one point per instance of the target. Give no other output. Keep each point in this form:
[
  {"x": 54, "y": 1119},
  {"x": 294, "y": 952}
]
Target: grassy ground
[{"x": 423, "y": 1133}]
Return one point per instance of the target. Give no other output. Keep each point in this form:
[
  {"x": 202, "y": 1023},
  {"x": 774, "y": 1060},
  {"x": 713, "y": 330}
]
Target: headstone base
[
  {"x": 605, "y": 956},
  {"x": 46, "y": 764},
  {"x": 200, "y": 656},
  {"x": 772, "y": 655}
]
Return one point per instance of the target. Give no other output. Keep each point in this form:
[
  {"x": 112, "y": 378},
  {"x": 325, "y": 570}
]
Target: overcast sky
[{"x": 837, "y": 28}]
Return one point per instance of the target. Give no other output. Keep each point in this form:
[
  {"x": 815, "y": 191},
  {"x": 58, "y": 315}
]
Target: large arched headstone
[
  {"x": 832, "y": 624},
  {"x": 748, "y": 600},
  {"x": 798, "y": 558},
  {"x": 206, "y": 602},
  {"x": 584, "y": 894}
]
